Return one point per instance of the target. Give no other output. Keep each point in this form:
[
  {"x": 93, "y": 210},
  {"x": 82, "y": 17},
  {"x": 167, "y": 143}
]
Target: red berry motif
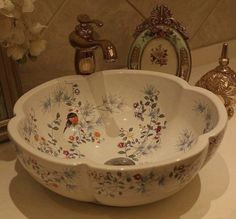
[
  {"x": 66, "y": 153},
  {"x": 158, "y": 129},
  {"x": 121, "y": 145},
  {"x": 97, "y": 134},
  {"x": 74, "y": 120},
  {"x": 137, "y": 176},
  {"x": 71, "y": 137}
]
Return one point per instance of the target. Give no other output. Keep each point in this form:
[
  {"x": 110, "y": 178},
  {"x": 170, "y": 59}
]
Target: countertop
[{"x": 210, "y": 195}]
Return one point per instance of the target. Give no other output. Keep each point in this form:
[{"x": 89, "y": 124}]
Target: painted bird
[{"x": 72, "y": 119}]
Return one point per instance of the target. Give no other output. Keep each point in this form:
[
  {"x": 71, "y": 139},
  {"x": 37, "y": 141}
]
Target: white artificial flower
[
  {"x": 18, "y": 34},
  {"x": 6, "y": 8},
  {"x": 37, "y": 28},
  {"x": 28, "y": 5},
  {"x": 7, "y": 5},
  {"x": 20, "y": 37},
  {"x": 16, "y": 52},
  {"x": 37, "y": 46}
]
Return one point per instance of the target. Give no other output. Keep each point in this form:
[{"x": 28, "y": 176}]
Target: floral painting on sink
[{"x": 82, "y": 125}]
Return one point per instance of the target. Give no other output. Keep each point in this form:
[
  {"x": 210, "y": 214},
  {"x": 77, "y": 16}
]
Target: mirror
[{"x": 160, "y": 44}]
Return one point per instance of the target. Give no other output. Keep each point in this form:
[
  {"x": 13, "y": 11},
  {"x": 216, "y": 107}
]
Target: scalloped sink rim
[{"x": 201, "y": 143}]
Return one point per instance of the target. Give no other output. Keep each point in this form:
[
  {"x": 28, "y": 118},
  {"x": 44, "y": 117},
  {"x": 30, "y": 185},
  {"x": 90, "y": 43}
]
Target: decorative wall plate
[{"x": 160, "y": 45}]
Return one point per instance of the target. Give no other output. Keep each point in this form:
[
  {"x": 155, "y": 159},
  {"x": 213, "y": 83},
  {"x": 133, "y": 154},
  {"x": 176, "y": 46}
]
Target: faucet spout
[
  {"x": 108, "y": 49},
  {"x": 82, "y": 39}
]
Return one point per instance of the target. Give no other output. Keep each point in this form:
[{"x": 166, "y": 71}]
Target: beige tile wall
[{"x": 207, "y": 22}]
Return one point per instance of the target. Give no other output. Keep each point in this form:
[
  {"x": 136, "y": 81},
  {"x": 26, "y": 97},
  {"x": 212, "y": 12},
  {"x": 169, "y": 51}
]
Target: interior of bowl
[{"x": 115, "y": 118}]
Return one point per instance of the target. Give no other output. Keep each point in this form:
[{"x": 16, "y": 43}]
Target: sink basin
[{"x": 117, "y": 137}]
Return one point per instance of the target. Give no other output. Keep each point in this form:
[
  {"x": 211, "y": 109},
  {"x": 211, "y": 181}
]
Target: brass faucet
[{"x": 82, "y": 39}]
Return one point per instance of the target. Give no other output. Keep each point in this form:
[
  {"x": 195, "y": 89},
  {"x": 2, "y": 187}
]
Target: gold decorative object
[
  {"x": 83, "y": 40},
  {"x": 222, "y": 81},
  {"x": 161, "y": 15}
]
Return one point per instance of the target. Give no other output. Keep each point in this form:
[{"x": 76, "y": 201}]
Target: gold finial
[{"x": 224, "y": 60}]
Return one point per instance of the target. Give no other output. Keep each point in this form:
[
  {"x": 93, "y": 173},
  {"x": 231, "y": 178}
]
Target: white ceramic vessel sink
[{"x": 118, "y": 137}]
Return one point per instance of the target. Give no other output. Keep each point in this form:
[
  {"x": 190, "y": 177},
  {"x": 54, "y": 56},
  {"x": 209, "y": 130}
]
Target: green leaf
[
  {"x": 55, "y": 128},
  {"x": 58, "y": 115},
  {"x": 57, "y": 123},
  {"x": 130, "y": 129},
  {"x": 49, "y": 126},
  {"x": 161, "y": 116},
  {"x": 121, "y": 152},
  {"x": 23, "y": 60},
  {"x": 154, "y": 105}
]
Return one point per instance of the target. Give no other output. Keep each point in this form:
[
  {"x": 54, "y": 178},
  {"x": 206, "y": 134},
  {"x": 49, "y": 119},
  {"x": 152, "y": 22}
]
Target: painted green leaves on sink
[
  {"x": 82, "y": 123},
  {"x": 152, "y": 123},
  {"x": 119, "y": 183}
]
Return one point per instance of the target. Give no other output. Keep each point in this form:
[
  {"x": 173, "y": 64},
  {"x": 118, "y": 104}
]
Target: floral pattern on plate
[{"x": 159, "y": 55}]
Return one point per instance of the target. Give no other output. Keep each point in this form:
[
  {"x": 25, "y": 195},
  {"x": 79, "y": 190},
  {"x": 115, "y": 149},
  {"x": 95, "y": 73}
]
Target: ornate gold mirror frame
[
  {"x": 160, "y": 44},
  {"x": 10, "y": 90}
]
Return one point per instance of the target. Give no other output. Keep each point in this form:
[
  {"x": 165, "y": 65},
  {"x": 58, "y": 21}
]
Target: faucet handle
[
  {"x": 85, "y": 19},
  {"x": 84, "y": 29}
]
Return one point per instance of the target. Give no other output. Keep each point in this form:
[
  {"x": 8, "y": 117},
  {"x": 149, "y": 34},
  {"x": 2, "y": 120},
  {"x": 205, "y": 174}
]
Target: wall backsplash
[{"x": 204, "y": 20}]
